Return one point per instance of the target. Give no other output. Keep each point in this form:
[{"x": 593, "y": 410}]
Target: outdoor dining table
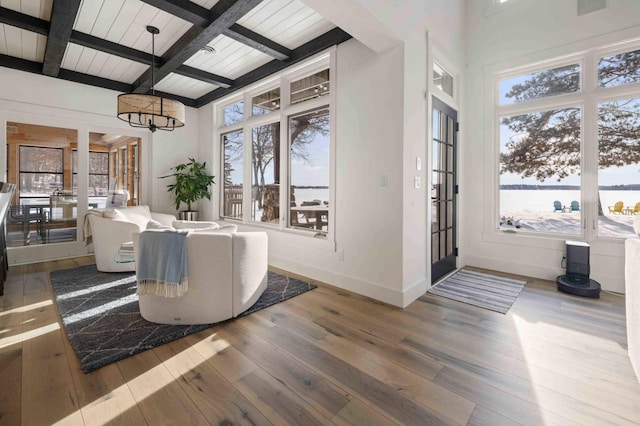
[{"x": 317, "y": 210}]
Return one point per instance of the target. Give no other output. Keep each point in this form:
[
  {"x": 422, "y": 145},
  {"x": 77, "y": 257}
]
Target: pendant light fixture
[{"x": 151, "y": 111}]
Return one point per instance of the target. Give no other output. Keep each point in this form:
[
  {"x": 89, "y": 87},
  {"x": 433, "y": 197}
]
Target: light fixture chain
[{"x": 153, "y": 63}]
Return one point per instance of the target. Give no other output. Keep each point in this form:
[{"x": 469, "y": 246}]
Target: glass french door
[{"x": 443, "y": 190}]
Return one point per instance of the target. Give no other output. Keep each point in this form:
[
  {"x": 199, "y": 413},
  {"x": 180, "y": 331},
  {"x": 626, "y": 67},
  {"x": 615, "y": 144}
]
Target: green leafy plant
[{"x": 192, "y": 183}]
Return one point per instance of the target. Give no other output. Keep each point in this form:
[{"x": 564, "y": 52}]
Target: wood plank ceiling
[{"x": 105, "y": 43}]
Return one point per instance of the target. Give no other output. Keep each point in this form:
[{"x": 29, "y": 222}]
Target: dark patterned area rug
[
  {"x": 100, "y": 313},
  {"x": 484, "y": 290}
]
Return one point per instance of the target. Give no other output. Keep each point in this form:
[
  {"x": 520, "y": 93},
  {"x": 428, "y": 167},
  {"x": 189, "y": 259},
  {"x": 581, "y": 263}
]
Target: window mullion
[{"x": 589, "y": 149}]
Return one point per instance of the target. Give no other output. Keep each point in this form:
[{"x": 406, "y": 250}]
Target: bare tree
[{"x": 265, "y": 147}]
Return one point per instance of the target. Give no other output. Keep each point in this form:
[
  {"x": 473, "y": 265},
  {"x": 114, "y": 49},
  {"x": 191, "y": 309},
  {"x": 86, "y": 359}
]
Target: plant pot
[{"x": 188, "y": 215}]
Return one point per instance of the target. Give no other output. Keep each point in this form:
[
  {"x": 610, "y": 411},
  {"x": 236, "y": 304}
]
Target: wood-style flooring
[{"x": 331, "y": 357}]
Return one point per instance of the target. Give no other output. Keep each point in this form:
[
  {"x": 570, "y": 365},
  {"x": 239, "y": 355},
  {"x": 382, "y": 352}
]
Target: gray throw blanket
[{"x": 162, "y": 263}]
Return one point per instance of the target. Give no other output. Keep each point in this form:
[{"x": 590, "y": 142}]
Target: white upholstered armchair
[
  {"x": 227, "y": 274},
  {"x": 110, "y": 227}
]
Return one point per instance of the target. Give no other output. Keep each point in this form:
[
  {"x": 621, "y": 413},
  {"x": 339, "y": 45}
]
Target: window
[
  {"x": 544, "y": 154},
  {"x": 310, "y": 87},
  {"x": 98, "y": 173},
  {"x": 265, "y": 173},
  {"x": 266, "y": 102},
  {"x": 540, "y": 84},
  {"x": 442, "y": 79},
  {"x": 288, "y": 168},
  {"x": 233, "y": 113},
  {"x": 618, "y": 166},
  {"x": 616, "y": 70},
  {"x": 41, "y": 171},
  {"x": 232, "y": 149},
  {"x": 309, "y": 177}
]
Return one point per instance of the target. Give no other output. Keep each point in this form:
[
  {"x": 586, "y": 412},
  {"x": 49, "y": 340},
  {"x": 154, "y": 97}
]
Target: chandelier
[{"x": 151, "y": 111}]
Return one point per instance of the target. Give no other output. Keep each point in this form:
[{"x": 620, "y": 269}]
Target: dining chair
[{"x": 26, "y": 215}]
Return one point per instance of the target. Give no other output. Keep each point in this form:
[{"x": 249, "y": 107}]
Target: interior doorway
[{"x": 443, "y": 190}]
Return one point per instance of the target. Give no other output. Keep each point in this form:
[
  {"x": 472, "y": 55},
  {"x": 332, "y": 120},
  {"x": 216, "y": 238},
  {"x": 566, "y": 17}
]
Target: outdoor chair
[
  {"x": 557, "y": 206},
  {"x": 617, "y": 208},
  {"x": 636, "y": 209},
  {"x": 575, "y": 206},
  {"x": 25, "y": 215}
]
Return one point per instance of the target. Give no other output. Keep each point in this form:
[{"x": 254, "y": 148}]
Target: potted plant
[{"x": 192, "y": 183}]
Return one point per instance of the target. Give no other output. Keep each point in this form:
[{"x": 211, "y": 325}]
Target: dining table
[{"x": 316, "y": 211}]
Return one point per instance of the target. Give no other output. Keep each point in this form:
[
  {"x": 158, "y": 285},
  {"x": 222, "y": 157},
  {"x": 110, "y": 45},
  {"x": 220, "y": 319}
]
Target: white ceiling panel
[
  {"x": 232, "y": 59},
  {"x": 288, "y": 22},
  {"x": 93, "y": 62},
  {"x": 125, "y": 21},
  {"x": 21, "y": 43},
  {"x": 36, "y": 8},
  {"x": 184, "y": 86},
  {"x": 207, "y": 4}
]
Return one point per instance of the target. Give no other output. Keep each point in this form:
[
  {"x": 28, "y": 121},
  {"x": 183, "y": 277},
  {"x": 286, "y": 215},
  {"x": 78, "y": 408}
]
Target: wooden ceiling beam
[
  {"x": 26, "y": 22},
  {"x": 183, "y": 9},
  {"x": 204, "y": 76},
  {"x": 116, "y": 49},
  {"x": 225, "y": 13},
  {"x": 202, "y": 17},
  {"x": 110, "y": 47},
  {"x": 63, "y": 15},
  {"x": 257, "y": 42},
  {"x": 317, "y": 45}
]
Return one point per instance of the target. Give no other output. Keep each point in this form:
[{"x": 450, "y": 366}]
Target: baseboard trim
[{"x": 356, "y": 285}]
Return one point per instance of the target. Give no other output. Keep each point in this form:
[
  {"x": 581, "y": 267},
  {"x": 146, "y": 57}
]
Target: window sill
[{"x": 308, "y": 238}]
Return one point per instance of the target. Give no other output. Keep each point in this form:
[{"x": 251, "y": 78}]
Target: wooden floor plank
[
  {"x": 48, "y": 392},
  {"x": 318, "y": 392},
  {"x": 11, "y": 332},
  {"x": 158, "y": 395},
  {"x": 215, "y": 397},
  {"x": 332, "y": 357},
  {"x": 103, "y": 395}
]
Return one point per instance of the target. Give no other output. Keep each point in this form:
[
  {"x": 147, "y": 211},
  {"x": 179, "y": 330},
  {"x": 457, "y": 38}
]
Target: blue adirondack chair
[
  {"x": 557, "y": 206},
  {"x": 575, "y": 206}
]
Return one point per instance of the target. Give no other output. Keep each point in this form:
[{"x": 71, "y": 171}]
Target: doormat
[{"x": 479, "y": 289}]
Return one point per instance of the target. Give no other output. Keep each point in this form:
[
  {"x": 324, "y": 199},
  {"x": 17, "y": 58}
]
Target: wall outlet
[{"x": 416, "y": 181}]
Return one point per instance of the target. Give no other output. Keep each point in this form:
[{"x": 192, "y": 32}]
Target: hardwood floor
[{"x": 331, "y": 357}]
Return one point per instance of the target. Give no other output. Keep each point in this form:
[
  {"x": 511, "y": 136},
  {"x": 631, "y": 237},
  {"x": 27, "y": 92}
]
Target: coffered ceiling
[{"x": 206, "y": 48}]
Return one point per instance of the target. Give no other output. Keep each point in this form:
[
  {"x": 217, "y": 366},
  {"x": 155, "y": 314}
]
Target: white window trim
[
  {"x": 587, "y": 98},
  {"x": 318, "y": 62}
]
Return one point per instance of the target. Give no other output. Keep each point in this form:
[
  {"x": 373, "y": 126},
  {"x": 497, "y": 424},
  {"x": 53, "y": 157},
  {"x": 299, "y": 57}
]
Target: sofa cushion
[
  {"x": 154, "y": 224},
  {"x": 113, "y": 214},
  {"x": 224, "y": 229},
  {"x": 191, "y": 224},
  {"x": 139, "y": 215}
]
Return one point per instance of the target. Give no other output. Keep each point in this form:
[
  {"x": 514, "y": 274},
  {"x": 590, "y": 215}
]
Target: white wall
[
  {"x": 382, "y": 126},
  {"x": 529, "y": 31},
  {"x": 37, "y": 99}
]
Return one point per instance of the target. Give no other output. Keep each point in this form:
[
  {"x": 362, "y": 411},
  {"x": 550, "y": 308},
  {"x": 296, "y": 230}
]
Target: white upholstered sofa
[
  {"x": 227, "y": 274},
  {"x": 108, "y": 228},
  {"x": 632, "y": 295}
]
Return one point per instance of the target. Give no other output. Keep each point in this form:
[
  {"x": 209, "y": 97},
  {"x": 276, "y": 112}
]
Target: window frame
[
  {"x": 20, "y": 171},
  {"x": 325, "y": 60},
  {"x": 587, "y": 98}
]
